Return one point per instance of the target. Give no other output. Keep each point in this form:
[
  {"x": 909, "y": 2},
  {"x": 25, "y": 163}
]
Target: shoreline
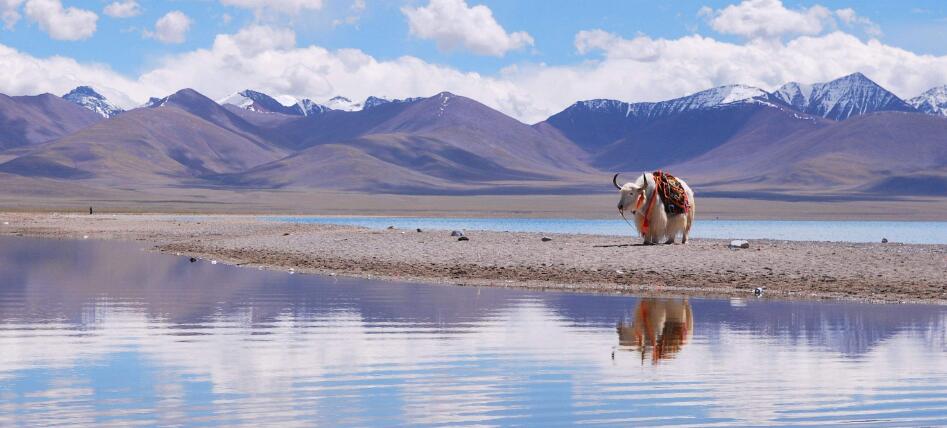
[{"x": 864, "y": 272}]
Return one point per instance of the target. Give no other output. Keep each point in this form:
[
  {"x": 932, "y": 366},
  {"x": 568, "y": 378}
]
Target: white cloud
[
  {"x": 640, "y": 68},
  {"x": 171, "y": 28},
  {"x": 767, "y": 19},
  {"x": 123, "y": 9},
  {"x": 852, "y": 19},
  {"x": 61, "y": 23},
  {"x": 452, "y": 25},
  {"x": 10, "y": 13},
  {"x": 287, "y": 7},
  {"x": 358, "y": 7}
]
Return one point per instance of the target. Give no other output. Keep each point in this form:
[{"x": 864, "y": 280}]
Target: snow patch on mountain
[
  {"x": 933, "y": 101},
  {"x": 88, "y": 98}
]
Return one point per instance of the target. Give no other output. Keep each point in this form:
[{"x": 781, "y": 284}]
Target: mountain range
[{"x": 849, "y": 138}]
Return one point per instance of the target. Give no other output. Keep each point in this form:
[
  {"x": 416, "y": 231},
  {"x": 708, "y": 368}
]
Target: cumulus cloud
[
  {"x": 10, "y": 13},
  {"x": 640, "y": 68},
  {"x": 61, "y": 23},
  {"x": 453, "y": 24},
  {"x": 123, "y": 9},
  {"x": 171, "y": 28},
  {"x": 852, "y": 19},
  {"x": 767, "y": 19},
  {"x": 287, "y": 7},
  {"x": 355, "y": 13}
]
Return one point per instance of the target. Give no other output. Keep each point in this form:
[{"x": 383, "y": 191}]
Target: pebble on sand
[
  {"x": 884, "y": 240},
  {"x": 391, "y": 228},
  {"x": 737, "y": 243},
  {"x": 546, "y": 239},
  {"x": 463, "y": 238},
  {"x": 457, "y": 233},
  {"x": 419, "y": 230}
]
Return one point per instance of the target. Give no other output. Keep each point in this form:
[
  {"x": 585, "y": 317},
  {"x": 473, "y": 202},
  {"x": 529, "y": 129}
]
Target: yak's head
[{"x": 633, "y": 194}]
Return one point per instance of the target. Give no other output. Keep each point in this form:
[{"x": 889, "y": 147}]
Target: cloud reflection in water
[{"x": 102, "y": 333}]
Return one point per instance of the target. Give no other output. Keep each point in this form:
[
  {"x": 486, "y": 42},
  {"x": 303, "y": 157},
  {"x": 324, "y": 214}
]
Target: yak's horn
[
  {"x": 615, "y": 181},
  {"x": 644, "y": 178}
]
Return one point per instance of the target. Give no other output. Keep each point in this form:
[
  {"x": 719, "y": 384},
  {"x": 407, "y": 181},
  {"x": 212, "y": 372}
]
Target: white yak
[{"x": 654, "y": 224}]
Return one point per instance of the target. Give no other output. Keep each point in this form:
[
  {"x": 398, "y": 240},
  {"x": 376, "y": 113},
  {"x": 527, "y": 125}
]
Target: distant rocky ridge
[{"x": 848, "y": 137}]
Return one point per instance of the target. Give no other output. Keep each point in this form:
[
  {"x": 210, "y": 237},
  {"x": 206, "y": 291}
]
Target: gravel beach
[{"x": 879, "y": 272}]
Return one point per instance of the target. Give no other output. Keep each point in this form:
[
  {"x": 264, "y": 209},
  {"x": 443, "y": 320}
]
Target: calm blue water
[
  {"x": 104, "y": 334},
  {"x": 848, "y": 231}
]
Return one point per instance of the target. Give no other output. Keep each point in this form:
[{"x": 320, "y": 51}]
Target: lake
[
  {"x": 105, "y": 333},
  {"x": 913, "y": 232}
]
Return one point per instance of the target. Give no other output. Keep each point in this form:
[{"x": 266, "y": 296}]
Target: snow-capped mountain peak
[
  {"x": 842, "y": 98},
  {"x": 262, "y": 103},
  {"x": 372, "y": 102},
  {"x": 795, "y": 94},
  {"x": 342, "y": 103},
  {"x": 256, "y": 101},
  {"x": 88, "y": 98},
  {"x": 307, "y": 107},
  {"x": 933, "y": 101}
]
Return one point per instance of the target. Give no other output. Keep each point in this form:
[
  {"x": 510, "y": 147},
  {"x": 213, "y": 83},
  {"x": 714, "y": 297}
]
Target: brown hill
[
  {"x": 859, "y": 154},
  {"x": 35, "y": 119},
  {"x": 167, "y": 145}
]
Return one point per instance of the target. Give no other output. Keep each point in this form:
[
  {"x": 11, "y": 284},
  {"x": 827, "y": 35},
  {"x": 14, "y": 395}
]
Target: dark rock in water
[
  {"x": 419, "y": 230},
  {"x": 457, "y": 233},
  {"x": 391, "y": 228},
  {"x": 884, "y": 240},
  {"x": 463, "y": 238},
  {"x": 193, "y": 260},
  {"x": 758, "y": 291},
  {"x": 546, "y": 239}
]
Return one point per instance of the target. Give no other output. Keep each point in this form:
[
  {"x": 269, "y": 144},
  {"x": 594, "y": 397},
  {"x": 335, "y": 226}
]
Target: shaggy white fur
[{"x": 661, "y": 227}]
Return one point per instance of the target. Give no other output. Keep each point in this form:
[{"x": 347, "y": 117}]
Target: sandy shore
[{"x": 872, "y": 272}]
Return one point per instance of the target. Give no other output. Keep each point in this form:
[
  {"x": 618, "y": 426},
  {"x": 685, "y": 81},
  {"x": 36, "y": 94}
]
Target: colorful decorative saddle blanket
[{"x": 672, "y": 193}]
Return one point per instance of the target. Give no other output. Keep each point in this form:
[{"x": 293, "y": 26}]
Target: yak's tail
[{"x": 691, "y": 213}]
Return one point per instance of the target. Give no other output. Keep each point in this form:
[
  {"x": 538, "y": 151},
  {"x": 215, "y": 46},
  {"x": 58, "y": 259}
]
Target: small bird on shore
[{"x": 758, "y": 291}]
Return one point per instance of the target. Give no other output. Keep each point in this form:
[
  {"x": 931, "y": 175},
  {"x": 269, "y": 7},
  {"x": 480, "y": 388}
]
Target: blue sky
[
  {"x": 382, "y": 30},
  {"x": 130, "y": 59}
]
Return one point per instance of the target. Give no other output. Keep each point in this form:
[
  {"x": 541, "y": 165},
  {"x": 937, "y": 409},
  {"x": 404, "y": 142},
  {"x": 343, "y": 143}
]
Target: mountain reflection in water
[
  {"x": 659, "y": 327},
  {"x": 102, "y": 333}
]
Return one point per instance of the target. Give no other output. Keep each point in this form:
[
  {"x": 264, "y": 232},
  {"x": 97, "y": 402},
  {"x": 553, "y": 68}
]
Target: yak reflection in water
[{"x": 659, "y": 327}]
